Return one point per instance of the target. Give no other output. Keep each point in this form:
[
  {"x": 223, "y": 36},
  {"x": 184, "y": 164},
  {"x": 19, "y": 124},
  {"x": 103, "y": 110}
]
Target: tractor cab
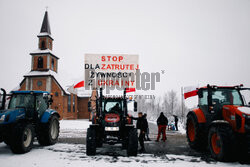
[
  {"x": 26, "y": 104},
  {"x": 213, "y": 99}
]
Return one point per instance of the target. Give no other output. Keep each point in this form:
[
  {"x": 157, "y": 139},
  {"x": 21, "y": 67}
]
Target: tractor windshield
[
  {"x": 246, "y": 96},
  {"x": 22, "y": 101},
  {"x": 227, "y": 97},
  {"x": 112, "y": 106}
]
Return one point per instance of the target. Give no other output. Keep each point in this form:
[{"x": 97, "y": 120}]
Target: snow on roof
[
  {"x": 41, "y": 34},
  {"x": 65, "y": 84},
  {"x": 82, "y": 92},
  {"x": 39, "y": 51}
]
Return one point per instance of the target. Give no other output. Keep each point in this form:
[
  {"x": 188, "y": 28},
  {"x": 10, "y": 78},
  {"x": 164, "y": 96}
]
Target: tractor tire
[
  {"x": 91, "y": 142},
  {"x": 22, "y": 138},
  {"x": 220, "y": 142},
  {"x": 7, "y": 142},
  {"x": 49, "y": 132},
  {"x": 196, "y": 136},
  {"x": 132, "y": 147}
]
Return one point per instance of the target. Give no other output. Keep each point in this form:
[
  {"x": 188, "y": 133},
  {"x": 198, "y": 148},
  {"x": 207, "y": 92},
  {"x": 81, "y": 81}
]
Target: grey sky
[{"x": 194, "y": 41}]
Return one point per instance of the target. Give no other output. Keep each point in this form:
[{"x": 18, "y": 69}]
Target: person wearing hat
[{"x": 162, "y": 123}]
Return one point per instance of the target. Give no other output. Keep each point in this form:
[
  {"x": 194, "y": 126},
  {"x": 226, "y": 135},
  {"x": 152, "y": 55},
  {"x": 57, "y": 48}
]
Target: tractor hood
[
  {"x": 244, "y": 110},
  {"x": 11, "y": 115}
]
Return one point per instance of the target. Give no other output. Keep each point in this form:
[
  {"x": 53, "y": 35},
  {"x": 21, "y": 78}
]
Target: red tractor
[
  {"x": 111, "y": 125},
  {"x": 221, "y": 122}
]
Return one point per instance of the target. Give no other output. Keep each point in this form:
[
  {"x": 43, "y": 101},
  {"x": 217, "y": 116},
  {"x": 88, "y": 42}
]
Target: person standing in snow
[
  {"x": 141, "y": 124},
  {"x": 147, "y": 132},
  {"x": 176, "y": 122},
  {"x": 162, "y": 123}
]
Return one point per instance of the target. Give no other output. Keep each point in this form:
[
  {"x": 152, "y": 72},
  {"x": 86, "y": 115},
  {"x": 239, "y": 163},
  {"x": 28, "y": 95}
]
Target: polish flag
[
  {"x": 130, "y": 90},
  {"x": 79, "y": 85},
  {"x": 190, "y": 91}
]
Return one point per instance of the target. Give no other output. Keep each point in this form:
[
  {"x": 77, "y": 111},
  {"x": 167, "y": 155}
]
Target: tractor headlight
[
  {"x": 2, "y": 118},
  {"x": 111, "y": 128}
]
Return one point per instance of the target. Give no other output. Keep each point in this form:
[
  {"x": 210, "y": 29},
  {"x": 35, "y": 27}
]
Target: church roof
[
  {"x": 45, "y": 51},
  {"x": 45, "y": 25},
  {"x": 45, "y": 29}
]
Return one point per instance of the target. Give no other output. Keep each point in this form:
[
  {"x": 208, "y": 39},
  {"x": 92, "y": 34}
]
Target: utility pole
[{"x": 182, "y": 106}]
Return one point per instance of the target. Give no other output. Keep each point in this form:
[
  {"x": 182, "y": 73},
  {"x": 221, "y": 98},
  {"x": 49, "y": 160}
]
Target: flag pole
[{"x": 182, "y": 107}]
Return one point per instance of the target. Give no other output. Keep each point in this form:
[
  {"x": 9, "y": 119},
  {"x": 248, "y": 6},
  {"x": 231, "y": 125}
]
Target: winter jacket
[
  {"x": 162, "y": 120},
  {"x": 141, "y": 124},
  {"x": 176, "y": 119}
]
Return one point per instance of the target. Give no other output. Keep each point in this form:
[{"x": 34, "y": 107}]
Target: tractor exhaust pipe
[
  {"x": 3, "y": 99},
  {"x": 125, "y": 102},
  {"x": 100, "y": 101}
]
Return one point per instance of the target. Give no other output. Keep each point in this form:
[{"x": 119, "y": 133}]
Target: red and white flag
[
  {"x": 130, "y": 90},
  {"x": 190, "y": 91},
  {"x": 79, "y": 85}
]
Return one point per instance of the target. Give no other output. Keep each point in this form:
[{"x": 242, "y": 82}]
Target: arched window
[
  {"x": 43, "y": 47},
  {"x": 52, "y": 64},
  {"x": 40, "y": 62}
]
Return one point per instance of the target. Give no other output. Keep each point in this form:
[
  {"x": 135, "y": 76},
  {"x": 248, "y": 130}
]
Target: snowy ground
[
  {"x": 73, "y": 128},
  {"x": 64, "y": 154}
]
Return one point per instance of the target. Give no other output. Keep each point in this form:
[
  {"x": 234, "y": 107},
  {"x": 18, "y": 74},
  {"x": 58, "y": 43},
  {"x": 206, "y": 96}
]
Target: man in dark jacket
[
  {"x": 176, "y": 122},
  {"x": 147, "y": 132},
  {"x": 142, "y": 126},
  {"x": 162, "y": 123}
]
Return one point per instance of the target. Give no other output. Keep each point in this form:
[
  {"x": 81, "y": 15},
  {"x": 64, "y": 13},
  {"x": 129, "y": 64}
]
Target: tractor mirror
[
  {"x": 89, "y": 106},
  {"x": 50, "y": 99},
  {"x": 200, "y": 94},
  {"x": 135, "y": 106}
]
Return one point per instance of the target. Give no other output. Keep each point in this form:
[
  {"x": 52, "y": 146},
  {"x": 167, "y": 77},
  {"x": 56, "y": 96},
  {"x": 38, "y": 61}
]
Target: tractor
[
  {"x": 221, "y": 123},
  {"x": 28, "y": 116},
  {"x": 111, "y": 125}
]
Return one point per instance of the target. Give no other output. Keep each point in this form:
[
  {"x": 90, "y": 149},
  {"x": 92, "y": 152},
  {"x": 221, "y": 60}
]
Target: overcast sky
[{"x": 194, "y": 41}]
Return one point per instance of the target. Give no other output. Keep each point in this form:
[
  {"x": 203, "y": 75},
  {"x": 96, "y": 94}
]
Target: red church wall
[
  {"x": 35, "y": 85},
  {"x": 83, "y": 108},
  {"x": 57, "y": 97},
  {"x": 23, "y": 86}
]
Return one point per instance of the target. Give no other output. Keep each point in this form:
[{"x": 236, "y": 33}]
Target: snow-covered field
[
  {"x": 64, "y": 155},
  {"x": 73, "y": 128}
]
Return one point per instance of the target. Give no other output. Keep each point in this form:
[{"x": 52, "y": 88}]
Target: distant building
[{"x": 44, "y": 76}]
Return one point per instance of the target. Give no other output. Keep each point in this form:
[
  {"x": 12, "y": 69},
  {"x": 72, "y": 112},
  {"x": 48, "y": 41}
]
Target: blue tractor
[{"x": 27, "y": 116}]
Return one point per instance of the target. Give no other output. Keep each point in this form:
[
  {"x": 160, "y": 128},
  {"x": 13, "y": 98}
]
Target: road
[{"x": 176, "y": 144}]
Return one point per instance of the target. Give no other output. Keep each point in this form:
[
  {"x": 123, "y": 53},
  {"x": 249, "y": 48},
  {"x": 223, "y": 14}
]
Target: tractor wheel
[
  {"x": 22, "y": 138},
  {"x": 7, "y": 140},
  {"x": 220, "y": 142},
  {"x": 49, "y": 132},
  {"x": 195, "y": 135},
  {"x": 132, "y": 143},
  {"x": 91, "y": 141}
]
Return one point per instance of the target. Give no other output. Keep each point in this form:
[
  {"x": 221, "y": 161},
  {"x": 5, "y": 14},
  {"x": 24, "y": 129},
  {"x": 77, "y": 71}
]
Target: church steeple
[
  {"x": 43, "y": 59},
  {"x": 45, "y": 25}
]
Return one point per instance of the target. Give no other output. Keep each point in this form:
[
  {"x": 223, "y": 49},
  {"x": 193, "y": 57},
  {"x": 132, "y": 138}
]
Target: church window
[
  {"x": 52, "y": 64},
  {"x": 43, "y": 47},
  {"x": 39, "y": 83},
  {"x": 40, "y": 62},
  {"x": 69, "y": 103}
]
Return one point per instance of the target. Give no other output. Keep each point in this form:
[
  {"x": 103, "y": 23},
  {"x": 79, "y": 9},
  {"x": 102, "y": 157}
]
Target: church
[{"x": 44, "y": 76}]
